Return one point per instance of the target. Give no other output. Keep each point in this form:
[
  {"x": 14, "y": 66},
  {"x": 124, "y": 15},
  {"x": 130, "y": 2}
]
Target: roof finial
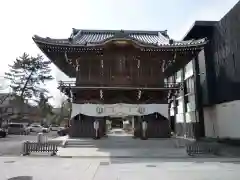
[
  {"x": 171, "y": 41},
  {"x": 165, "y": 33},
  {"x": 74, "y": 31}
]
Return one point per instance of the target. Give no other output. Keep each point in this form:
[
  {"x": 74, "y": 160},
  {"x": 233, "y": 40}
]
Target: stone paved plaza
[
  {"x": 120, "y": 144},
  {"x": 118, "y": 157},
  {"x": 51, "y": 168}
]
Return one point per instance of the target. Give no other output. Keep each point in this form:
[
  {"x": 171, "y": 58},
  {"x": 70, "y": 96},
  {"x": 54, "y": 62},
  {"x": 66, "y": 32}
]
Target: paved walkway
[
  {"x": 120, "y": 144},
  {"x": 123, "y": 153},
  {"x": 47, "y": 168}
]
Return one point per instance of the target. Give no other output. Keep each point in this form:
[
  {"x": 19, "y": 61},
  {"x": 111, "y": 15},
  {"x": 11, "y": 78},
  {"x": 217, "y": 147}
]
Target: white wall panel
[{"x": 223, "y": 120}]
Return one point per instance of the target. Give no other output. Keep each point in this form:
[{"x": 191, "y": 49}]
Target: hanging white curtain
[{"x": 119, "y": 110}]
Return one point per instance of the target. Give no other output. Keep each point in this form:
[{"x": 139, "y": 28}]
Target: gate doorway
[{"x": 116, "y": 122}]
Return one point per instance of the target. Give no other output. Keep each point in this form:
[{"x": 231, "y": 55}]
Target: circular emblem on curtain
[
  {"x": 99, "y": 110},
  {"x": 141, "y": 110}
]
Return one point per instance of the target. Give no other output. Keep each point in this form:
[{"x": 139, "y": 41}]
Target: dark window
[
  {"x": 35, "y": 126},
  {"x": 186, "y": 98},
  {"x": 234, "y": 63},
  {"x": 15, "y": 125},
  {"x": 177, "y": 103}
]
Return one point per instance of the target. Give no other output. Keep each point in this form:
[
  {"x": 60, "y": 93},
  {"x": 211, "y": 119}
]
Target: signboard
[
  {"x": 99, "y": 110},
  {"x": 141, "y": 110}
]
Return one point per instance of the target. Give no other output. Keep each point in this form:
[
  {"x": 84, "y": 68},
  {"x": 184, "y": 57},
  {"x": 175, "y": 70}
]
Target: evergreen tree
[
  {"x": 27, "y": 76},
  {"x": 64, "y": 112}
]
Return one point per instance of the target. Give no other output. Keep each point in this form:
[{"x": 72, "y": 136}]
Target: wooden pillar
[
  {"x": 131, "y": 69},
  {"x": 133, "y": 122},
  {"x": 182, "y": 92},
  {"x": 198, "y": 99},
  {"x": 78, "y": 71},
  {"x": 175, "y": 111},
  {"x": 89, "y": 67},
  {"x": 138, "y": 67},
  {"x": 102, "y": 68},
  {"x": 137, "y": 128}
]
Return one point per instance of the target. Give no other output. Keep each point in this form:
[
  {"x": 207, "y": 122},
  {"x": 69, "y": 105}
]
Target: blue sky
[{"x": 20, "y": 20}]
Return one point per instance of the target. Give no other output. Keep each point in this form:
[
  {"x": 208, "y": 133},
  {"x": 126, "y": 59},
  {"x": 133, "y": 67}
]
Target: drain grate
[
  {"x": 21, "y": 178},
  {"x": 66, "y": 156},
  {"x": 104, "y": 163},
  {"x": 9, "y": 161},
  {"x": 151, "y": 165}
]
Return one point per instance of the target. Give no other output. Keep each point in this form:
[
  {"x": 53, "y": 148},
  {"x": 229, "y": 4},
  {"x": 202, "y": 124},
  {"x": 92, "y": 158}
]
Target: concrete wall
[
  {"x": 223, "y": 120},
  {"x": 226, "y": 55}
]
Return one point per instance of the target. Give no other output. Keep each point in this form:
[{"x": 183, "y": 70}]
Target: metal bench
[{"x": 29, "y": 147}]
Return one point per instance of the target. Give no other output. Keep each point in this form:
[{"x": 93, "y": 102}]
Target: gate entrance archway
[{"x": 137, "y": 115}]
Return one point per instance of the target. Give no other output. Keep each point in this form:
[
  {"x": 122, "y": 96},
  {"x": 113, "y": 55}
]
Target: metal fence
[
  {"x": 29, "y": 147},
  {"x": 41, "y": 145},
  {"x": 197, "y": 148}
]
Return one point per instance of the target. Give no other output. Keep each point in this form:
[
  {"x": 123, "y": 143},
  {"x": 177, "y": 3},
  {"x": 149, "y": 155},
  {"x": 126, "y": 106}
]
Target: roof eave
[
  {"x": 71, "y": 75},
  {"x": 141, "y": 45},
  {"x": 199, "y": 24}
]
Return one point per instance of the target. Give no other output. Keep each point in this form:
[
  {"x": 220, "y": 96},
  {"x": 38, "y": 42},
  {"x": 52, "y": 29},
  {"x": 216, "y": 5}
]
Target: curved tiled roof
[{"x": 100, "y": 37}]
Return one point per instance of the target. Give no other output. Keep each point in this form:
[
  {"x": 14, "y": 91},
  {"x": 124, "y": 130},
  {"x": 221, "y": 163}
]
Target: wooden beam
[{"x": 122, "y": 88}]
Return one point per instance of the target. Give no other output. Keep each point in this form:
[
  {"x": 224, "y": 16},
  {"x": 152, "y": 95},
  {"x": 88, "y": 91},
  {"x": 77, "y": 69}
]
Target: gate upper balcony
[{"x": 71, "y": 85}]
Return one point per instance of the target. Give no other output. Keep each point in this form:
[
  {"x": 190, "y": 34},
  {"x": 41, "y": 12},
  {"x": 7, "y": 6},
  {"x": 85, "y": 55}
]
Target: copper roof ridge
[{"x": 148, "y": 32}]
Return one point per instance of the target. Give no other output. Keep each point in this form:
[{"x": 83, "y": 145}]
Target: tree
[
  {"x": 27, "y": 75},
  {"x": 43, "y": 105},
  {"x": 3, "y": 109},
  {"x": 64, "y": 111}
]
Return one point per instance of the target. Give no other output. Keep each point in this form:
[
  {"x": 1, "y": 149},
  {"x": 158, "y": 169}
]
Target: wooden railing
[
  {"x": 72, "y": 84},
  {"x": 29, "y": 147}
]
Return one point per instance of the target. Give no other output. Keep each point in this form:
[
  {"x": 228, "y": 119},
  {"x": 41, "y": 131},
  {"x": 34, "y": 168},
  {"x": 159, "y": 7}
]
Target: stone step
[{"x": 116, "y": 143}]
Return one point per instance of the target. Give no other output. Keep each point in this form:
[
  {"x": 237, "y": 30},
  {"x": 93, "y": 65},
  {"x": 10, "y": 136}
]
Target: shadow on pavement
[
  {"x": 21, "y": 178},
  {"x": 119, "y": 144}
]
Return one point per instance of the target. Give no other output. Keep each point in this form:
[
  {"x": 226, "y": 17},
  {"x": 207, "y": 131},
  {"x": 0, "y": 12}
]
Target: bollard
[
  {"x": 40, "y": 137},
  {"x": 26, "y": 150},
  {"x": 45, "y": 139}
]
